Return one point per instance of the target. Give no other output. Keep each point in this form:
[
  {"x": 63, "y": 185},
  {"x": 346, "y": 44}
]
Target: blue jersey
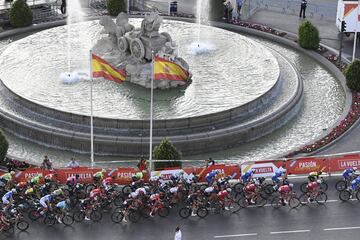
[
  {"x": 8, "y": 195},
  {"x": 247, "y": 175},
  {"x": 61, "y": 205},
  {"x": 278, "y": 173},
  {"x": 355, "y": 183},
  {"x": 46, "y": 198},
  {"x": 348, "y": 172},
  {"x": 210, "y": 176}
]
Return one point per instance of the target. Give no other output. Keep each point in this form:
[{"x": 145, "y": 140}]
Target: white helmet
[
  {"x": 291, "y": 185},
  {"x": 318, "y": 181},
  {"x": 228, "y": 190},
  {"x": 13, "y": 190}
]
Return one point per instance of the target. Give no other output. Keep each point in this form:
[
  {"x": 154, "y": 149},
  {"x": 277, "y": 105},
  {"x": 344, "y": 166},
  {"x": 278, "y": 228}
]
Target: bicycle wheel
[
  {"x": 260, "y": 201},
  {"x": 239, "y": 187},
  {"x": 324, "y": 186},
  {"x": 234, "y": 207},
  {"x": 22, "y": 225},
  {"x": 117, "y": 217},
  {"x": 341, "y": 185},
  {"x": 134, "y": 216},
  {"x": 185, "y": 212},
  {"x": 126, "y": 190},
  {"x": 294, "y": 202},
  {"x": 202, "y": 212},
  {"x": 79, "y": 216},
  {"x": 344, "y": 195},
  {"x": 303, "y": 199},
  {"x": 49, "y": 219},
  {"x": 67, "y": 220},
  {"x": 244, "y": 202},
  {"x": 118, "y": 201},
  {"x": 90, "y": 187},
  {"x": 145, "y": 212},
  {"x": 34, "y": 215},
  {"x": 358, "y": 195},
  {"x": 303, "y": 187},
  {"x": 321, "y": 198},
  {"x": 96, "y": 216},
  {"x": 268, "y": 189},
  {"x": 203, "y": 187},
  {"x": 276, "y": 203},
  {"x": 163, "y": 212}
]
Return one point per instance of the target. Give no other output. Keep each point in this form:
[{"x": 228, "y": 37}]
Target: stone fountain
[{"x": 131, "y": 49}]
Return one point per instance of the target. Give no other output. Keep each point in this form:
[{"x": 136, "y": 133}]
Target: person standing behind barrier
[
  {"x": 239, "y": 4},
  {"x": 63, "y": 7},
  {"x": 178, "y": 235},
  {"x": 303, "y": 8}
]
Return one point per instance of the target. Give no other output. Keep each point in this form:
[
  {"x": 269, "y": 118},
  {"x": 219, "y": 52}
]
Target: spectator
[
  {"x": 177, "y": 234},
  {"x": 46, "y": 164},
  {"x": 10, "y": 166},
  {"x": 142, "y": 164},
  {"x": 73, "y": 163},
  {"x": 303, "y": 8},
  {"x": 239, "y": 4},
  {"x": 228, "y": 10},
  {"x": 63, "y": 7},
  {"x": 210, "y": 162}
]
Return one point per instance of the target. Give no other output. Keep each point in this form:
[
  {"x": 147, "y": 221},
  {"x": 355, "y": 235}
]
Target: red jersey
[
  {"x": 312, "y": 186},
  {"x": 50, "y": 177},
  {"x": 284, "y": 189},
  {"x": 223, "y": 194},
  {"x": 21, "y": 185},
  {"x": 250, "y": 188},
  {"x": 96, "y": 192},
  {"x": 107, "y": 181}
]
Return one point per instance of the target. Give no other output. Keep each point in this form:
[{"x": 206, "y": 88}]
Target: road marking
[
  {"x": 294, "y": 231},
  {"x": 343, "y": 228},
  {"x": 236, "y": 235}
]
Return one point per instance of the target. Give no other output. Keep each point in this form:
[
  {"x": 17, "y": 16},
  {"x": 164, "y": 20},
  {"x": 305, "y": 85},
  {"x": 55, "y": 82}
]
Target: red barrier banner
[
  {"x": 338, "y": 164},
  {"x": 307, "y": 165},
  {"x": 262, "y": 168},
  {"x": 29, "y": 173}
]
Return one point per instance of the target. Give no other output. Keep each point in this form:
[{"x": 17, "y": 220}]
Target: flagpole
[
  {"x": 356, "y": 31},
  {"x": 151, "y": 109},
  {"x": 91, "y": 112}
]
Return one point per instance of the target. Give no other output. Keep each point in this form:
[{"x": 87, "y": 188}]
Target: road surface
[{"x": 333, "y": 221}]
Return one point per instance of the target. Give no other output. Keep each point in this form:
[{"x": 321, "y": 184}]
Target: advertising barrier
[{"x": 266, "y": 168}]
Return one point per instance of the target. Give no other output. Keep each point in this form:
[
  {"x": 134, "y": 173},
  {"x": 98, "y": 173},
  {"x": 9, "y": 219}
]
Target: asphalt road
[{"x": 334, "y": 220}]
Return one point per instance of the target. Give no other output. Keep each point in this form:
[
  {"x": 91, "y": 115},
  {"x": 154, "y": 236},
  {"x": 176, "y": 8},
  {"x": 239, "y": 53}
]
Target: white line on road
[
  {"x": 294, "y": 231},
  {"x": 236, "y": 235},
  {"x": 343, "y": 228}
]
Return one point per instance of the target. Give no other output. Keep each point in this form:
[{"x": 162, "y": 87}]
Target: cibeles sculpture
[{"x": 125, "y": 47}]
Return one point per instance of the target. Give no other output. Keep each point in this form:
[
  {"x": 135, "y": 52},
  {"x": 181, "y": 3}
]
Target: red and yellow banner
[
  {"x": 167, "y": 70},
  {"x": 101, "y": 68}
]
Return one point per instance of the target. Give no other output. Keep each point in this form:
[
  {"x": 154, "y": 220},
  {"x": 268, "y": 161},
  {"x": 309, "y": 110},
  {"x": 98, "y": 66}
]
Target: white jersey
[
  {"x": 133, "y": 195},
  {"x": 174, "y": 189},
  {"x": 209, "y": 189},
  {"x": 140, "y": 190}
]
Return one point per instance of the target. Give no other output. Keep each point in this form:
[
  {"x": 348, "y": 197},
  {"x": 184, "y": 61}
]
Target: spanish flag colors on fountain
[
  {"x": 101, "y": 68},
  {"x": 165, "y": 69}
]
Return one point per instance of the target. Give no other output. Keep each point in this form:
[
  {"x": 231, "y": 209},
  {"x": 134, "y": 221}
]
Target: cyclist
[
  {"x": 355, "y": 184},
  {"x": 247, "y": 176},
  {"x": 348, "y": 173},
  {"x": 313, "y": 176},
  {"x": 35, "y": 180},
  {"x": 45, "y": 202},
  {"x": 21, "y": 186},
  {"x": 61, "y": 208},
  {"x": 277, "y": 174},
  {"x": 7, "y": 177},
  {"x": 107, "y": 182},
  {"x": 250, "y": 192},
  {"x": 211, "y": 176},
  {"x": 50, "y": 177},
  {"x": 192, "y": 200},
  {"x": 72, "y": 180},
  {"x": 155, "y": 202},
  {"x": 312, "y": 189},
  {"x": 8, "y": 199},
  {"x": 95, "y": 194},
  {"x": 99, "y": 176},
  {"x": 284, "y": 191},
  {"x": 223, "y": 194}
]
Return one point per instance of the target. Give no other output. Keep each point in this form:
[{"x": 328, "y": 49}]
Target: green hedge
[
  {"x": 20, "y": 14},
  {"x": 166, "y": 151},
  {"x": 115, "y": 7},
  {"x": 217, "y": 9},
  {"x": 308, "y": 36},
  {"x": 352, "y": 74},
  {"x": 4, "y": 145}
]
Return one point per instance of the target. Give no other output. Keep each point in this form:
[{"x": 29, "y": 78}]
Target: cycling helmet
[
  {"x": 12, "y": 172},
  {"x": 228, "y": 190},
  {"x": 103, "y": 170},
  {"x": 147, "y": 189},
  {"x": 291, "y": 185},
  {"x": 354, "y": 168},
  {"x": 67, "y": 201},
  {"x": 284, "y": 170},
  {"x": 253, "y": 170},
  {"x": 318, "y": 181},
  {"x": 13, "y": 190}
]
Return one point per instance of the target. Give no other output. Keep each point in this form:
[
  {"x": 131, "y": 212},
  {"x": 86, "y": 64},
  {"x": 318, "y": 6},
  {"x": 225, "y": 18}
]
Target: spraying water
[
  {"x": 202, "y": 16},
  {"x": 75, "y": 15}
]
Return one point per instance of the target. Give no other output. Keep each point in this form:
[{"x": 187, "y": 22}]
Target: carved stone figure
[{"x": 132, "y": 49}]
